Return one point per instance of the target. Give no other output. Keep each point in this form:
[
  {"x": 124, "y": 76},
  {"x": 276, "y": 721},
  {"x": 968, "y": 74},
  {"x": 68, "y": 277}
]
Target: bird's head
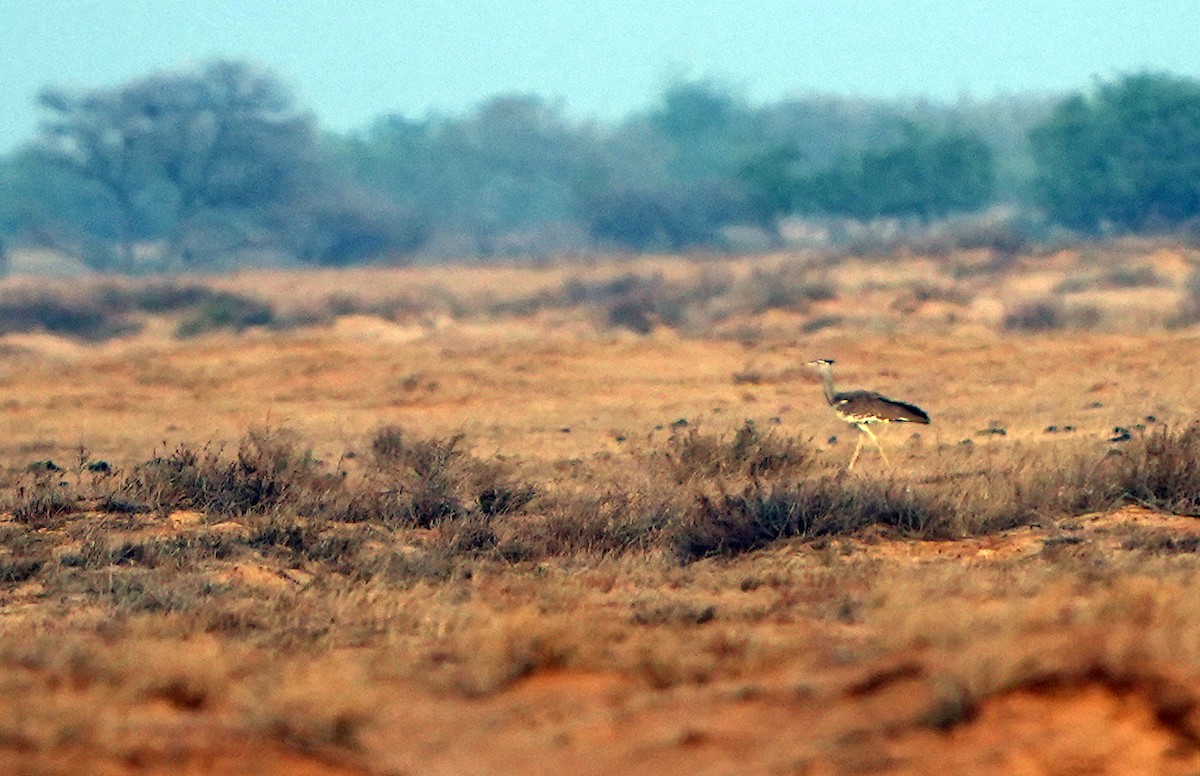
[{"x": 819, "y": 363}]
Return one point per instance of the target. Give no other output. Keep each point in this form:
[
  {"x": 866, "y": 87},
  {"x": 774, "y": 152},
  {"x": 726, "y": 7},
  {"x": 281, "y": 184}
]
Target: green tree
[
  {"x": 1126, "y": 156},
  {"x": 770, "y": 179},
  {"x": 674, "y": 177},
  {"x": 927, "y": 175},
  {"x": 43, "y": 203},
  {"x": 513, "y": 164},
  {"x": 198, "y": 165},
  {"x": 187, "y": 150}
]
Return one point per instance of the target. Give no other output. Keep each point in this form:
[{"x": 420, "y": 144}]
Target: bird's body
[
  {"x": 871, "y": 407},
  {"x": 861, "y": 408}
]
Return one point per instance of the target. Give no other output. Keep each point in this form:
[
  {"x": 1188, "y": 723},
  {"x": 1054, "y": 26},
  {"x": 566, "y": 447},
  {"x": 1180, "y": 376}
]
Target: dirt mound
[{"x": 1097, "y": 724}]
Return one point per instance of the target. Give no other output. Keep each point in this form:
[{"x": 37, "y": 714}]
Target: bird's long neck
[{"x": 827, "y": 383}]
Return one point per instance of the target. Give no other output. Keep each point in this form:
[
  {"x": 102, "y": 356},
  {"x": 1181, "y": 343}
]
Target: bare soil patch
[{"x": 472, "y": 521}]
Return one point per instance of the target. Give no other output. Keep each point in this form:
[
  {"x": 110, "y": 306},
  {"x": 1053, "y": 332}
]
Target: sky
[{"x": 350, "y": 61}]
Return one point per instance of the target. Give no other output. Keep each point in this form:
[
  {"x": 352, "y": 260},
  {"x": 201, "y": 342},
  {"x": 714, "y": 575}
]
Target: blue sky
[{"x": 351, "y": 60}]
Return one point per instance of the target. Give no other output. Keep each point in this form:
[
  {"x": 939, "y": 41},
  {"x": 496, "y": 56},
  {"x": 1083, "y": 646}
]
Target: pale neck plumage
[{"x": 827, "y": 381}]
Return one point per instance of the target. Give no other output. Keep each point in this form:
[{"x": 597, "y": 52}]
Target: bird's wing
[{"x": 869, "y": 405}]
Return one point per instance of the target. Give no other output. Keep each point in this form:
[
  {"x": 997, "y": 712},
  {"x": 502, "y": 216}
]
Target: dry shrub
[
  {"x": 749, "y": 452},
  {"x": 1138, "y": 276},
  {"x": 269, "y": 469},
  {"x": 178, "y": 551},
  {"x": 1160, "y": 469},
  {"x": 1160, "y": 542},
  {"x": 789, "y": 286},
  {"x": 146, "y": 591},
  {"x": 432, "y": 480},
  {"x": 407, "y": 481},
  {"x": 429, "y": 473},
  {"x": 662, "y": 488},
  {"x": 695, "y": 495},
  {"x": 299, "y": 542},
  {"x": 1050, "y": 315},
  {"x": 633, "y": 301},
  {"x": 156, "y": 297},
  {"x": 99, "y": 312},
  {"x": 80, "y": 314},
  {"x": 42, "y": 499},
  {"x": 731, "y": 524},
  {"x": 14, "y": 571},
  {"x": 703, "y": 494},
  {"x": 922, "y": 292},
  {"x": 44, "y": 508},
  {"x": 226, "y": 311},
  {"x": 628, "y": 301},
  {"x": 613, "y": 522}
]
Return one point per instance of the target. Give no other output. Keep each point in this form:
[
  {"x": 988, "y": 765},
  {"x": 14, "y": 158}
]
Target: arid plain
[{"x": 594, "y": 517}]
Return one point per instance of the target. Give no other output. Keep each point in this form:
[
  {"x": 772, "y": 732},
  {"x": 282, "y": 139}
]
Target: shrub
[
  {"x": 1050, "y": 315},
  {"x": 693, "y": 454},
  {"x": 16, "y": 570},
  {"x": 1160, "y": 469},
  {"x": 639, "y": 302},
  {"x": 790, "y": 286},
  {"x": 79, "y": 315},
  {"x": 1141, "y": 276},
  {"x": 613, "y": 521},
  {"x": 731, "y": 524},
  {"x": 267, "y": 470},
  {"x": 176, "y": 551},
  {"x": 44, "y": 507},
  {"x": 421, "y": 482},
  {"x": 225, "y": 311},
  {"x": 302, "y": 541}
]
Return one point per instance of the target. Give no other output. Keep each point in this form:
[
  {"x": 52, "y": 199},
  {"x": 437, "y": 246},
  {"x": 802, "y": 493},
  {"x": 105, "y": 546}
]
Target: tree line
[{"x": 218, "y": 167}]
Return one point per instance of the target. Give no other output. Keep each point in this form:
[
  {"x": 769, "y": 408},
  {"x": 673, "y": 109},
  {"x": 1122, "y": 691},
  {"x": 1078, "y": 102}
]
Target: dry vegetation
[{"x": 594, "y": 519}]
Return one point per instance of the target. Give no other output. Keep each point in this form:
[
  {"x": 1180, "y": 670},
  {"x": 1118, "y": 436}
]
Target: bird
[{"x": 861, "y": 408}]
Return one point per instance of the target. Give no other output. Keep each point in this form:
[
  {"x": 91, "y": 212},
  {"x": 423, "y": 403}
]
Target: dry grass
[
  {"x": 1079, "y": 288},
  {"x": 517, "y": 537}
]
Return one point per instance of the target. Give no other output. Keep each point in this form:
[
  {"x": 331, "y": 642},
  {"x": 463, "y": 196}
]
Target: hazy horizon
[{"x": 354, "y": 60}]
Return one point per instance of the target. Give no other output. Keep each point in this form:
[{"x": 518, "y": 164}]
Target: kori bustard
[{"x": 861, "y": 408}]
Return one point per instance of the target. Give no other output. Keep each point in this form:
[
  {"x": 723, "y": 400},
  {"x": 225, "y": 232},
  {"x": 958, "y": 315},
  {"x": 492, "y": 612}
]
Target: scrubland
[{"x": 594, "y": 517}]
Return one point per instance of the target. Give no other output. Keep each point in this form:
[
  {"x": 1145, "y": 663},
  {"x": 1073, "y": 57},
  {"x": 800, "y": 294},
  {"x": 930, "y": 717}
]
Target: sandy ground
[{"x": 1075, "y": 655}]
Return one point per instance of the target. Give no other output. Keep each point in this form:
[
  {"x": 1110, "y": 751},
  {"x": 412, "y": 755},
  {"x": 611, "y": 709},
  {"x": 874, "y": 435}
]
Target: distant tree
[
  {"x": 695, "y": 109},
  {"x": 515, "y": 163},
  {"x": 398, "y": 158},
  {"x": 824, "y": 129},
  {"x": 203, "y": 162},
  {"x": 1126, "y": 156},
  {"x": 708, "y": 128},
  {"x": 45, "y": 204},
  {"x": 633, "y": 219},
  {"x": 926, "y": 175},
  {"x": 673, "y": 178},
  {"x": 347, "y": 225},
  {"x": 673, "y": 218},
  {"x": 518, "y": 163},
  {"x": 770, "y": 179}
]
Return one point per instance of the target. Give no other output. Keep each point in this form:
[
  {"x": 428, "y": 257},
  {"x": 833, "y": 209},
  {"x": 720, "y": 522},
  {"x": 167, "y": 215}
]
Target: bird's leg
[
  {"x": 857, "y": 449},
  {"x": 875, "y": 439}
]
